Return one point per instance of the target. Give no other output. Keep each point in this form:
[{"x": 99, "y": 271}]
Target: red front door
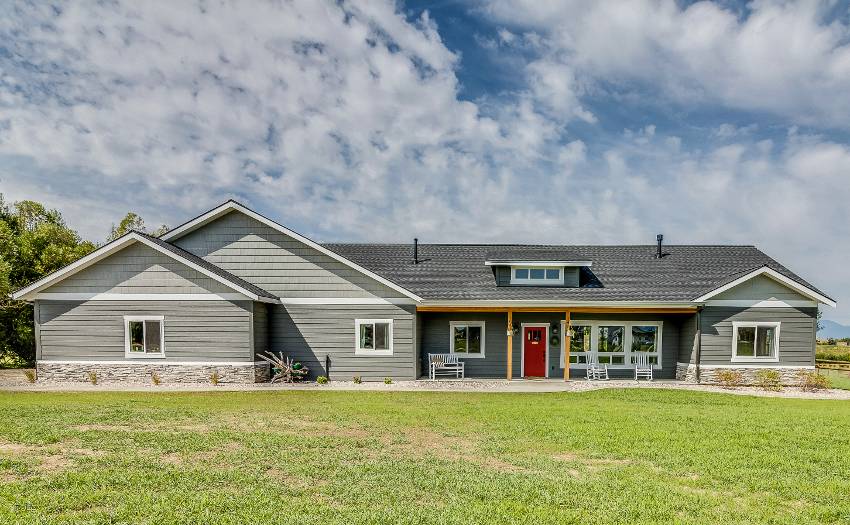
[{"x": 534, "y": 350}]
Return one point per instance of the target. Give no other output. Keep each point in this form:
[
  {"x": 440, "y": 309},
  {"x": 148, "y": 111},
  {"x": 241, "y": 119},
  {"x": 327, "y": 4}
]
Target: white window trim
[
  {"x": 538, "y": 282},
  {"x": 465, "y": 355},
  {"x": 368, "y": 351},
  {"x": 755, "y": 324},
  {"x": 144, "y": 355},
  {"x": 627, "y": 342}
]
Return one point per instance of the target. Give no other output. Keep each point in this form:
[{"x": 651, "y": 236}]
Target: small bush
[
  {"x": 30, "y": 375},
  {"x": 730, "y": 378},
  {"x": 833, "y": 354},
  {"x": 215, "y": 378},
  {"x": 358, "y": 380},
  {"x": 322, "y": 380},
  {"x": 812, "y": 381},
  {"x": 769, "y": 380},
  {"x": 93, "y": 377},
  {"x": 155, "y": 379},
  {"x": 388, "y": 380}
]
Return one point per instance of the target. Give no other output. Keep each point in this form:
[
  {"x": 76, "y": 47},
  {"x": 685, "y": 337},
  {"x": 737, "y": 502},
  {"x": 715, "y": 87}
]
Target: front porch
[{"x": 535, "y": 343}]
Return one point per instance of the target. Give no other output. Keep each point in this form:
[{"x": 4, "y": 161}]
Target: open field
[{"x": 609, "y": 456}]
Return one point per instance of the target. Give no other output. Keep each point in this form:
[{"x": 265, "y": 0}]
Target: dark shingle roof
[
  {"x": 224, "y": 274},
  {"x": 533, "y": 254},
  {"x": 623, "y": 273}
]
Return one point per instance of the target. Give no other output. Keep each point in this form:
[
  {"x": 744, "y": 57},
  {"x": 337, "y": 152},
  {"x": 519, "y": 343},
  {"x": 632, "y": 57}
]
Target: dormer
[{"x": 536, "y": 268}]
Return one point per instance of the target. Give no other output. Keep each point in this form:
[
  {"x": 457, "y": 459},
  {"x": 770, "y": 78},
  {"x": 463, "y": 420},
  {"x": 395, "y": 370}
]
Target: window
[
  {"x": 144, "y": 336},
  {"x": 467, "y": 338},
  {"x": 755, "y": 341},
  {"x": 374, "y": 336},
  {"x": 538, "y": 276},
  {"x": 580, "y": 344},
  {"x": 645, "y": 341},
  {"x": 611, "y": 348},
  {"x": 612, "y": 343}
]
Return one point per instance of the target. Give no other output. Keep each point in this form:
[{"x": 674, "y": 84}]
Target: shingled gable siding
[
  {"x": 796, "y": 333},
  {"x": 435, "y": 338},
  {"x": 276, "y": 262},
  {"x": 139, "y": 269},
  {"x": 194, "y": 330},
  {"x": 308, "y": 333}
]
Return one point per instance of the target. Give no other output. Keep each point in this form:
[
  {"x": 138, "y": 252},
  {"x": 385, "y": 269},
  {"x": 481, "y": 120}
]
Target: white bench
[{"x": 445, "y": 364}]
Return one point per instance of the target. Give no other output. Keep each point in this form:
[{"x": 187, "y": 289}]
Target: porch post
[
  {"x": 510, "y": 333},
  {"x": 566, "y": 339}
]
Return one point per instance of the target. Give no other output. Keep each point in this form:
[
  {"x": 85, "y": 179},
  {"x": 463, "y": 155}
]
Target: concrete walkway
[{"x": 14, "y": 380}]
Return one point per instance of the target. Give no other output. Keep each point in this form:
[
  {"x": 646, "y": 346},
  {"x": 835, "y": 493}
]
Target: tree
[
  {"x": 819, "y": 324},
  {"x": 34, "y": 242},
  {"x": 133, "y": 221}
]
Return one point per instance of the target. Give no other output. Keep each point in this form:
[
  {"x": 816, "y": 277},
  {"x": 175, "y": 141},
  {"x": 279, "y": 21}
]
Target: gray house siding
[
  {"x": 261, "y": 327},
  {"x": 194, "y": 330},
  {"x": 796, "y": 333},
  {"x": 277, "y": 262},
  {"x": 688, "y": 339},
  {"x": 309, "y": 333},
  {"x": 139, "y": 269},
  {"x": 435, "y": 338},
  {"x": 761, "y": 288}
]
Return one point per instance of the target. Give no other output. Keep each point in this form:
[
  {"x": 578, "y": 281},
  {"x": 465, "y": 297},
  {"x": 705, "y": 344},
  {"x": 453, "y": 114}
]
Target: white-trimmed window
[
  {"x": 373, "y": 336},
  {"x": 755, "y": 341},
  {"x": 144, "y": 336},
  {"x": 536, "y": 275},
  {"x": 613, "y": 343},
  {"x": 466, "y": 338}
]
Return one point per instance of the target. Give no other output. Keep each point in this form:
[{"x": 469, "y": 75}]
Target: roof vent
[
  {"x": 659, "y": 254},
  {"x": 415, "y": 250}
]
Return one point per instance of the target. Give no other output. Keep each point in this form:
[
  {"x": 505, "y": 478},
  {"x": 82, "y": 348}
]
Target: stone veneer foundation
[
  {"x": 142, "y": 372},
  {"x": 707, "y": 374}
]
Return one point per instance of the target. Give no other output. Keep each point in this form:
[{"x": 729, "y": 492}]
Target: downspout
[{"x": 699, "y": 342}]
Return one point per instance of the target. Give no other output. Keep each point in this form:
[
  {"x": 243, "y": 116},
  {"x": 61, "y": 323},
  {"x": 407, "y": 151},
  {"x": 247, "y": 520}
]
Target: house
[{"x": 211, "y": 293}]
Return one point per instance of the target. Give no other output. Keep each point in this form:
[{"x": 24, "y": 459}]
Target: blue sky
[{"x": 481, "y": 121}]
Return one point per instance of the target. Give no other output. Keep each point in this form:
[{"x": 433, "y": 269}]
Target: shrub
[
  {"x": 388, "y": 380},
  {"x": 155, "y": 379},
  {"x": 730, "y": 378},
  {"x": 358, "y": 380},
  {"x": 93, "y": 377},
  {"x": 30, "y": 375},
  {"x": 769, "y": 380},
  {"x": 811, "y": 381},
  {"x": 833, "y": 354},
  {"x": 322, "y": 380},
  {"x": 215, "y": 378}
]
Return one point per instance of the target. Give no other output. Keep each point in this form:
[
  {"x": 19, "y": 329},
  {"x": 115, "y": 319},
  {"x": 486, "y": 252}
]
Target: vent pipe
[
  {"x": 659, "y": 238},
  {"x": 415, "y": 250}
]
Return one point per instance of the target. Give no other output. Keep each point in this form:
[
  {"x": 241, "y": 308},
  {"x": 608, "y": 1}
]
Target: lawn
[{"x": 611, "y": 456}]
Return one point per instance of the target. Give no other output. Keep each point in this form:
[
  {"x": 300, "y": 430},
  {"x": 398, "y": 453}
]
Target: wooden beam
[
  {"x": 510, "y": 333},
  {"x": 565, "y": 337},
  {"x": 578, "y": 309}
]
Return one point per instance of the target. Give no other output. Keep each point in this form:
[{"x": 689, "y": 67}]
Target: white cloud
[{"x": 787, "y": 58}]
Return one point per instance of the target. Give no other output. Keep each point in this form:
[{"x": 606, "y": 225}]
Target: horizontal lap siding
[
  {"x": 139, "y": 269},
  {"x": 261, "y": 328},
  {"x": 435, "y": 338},
  {"x": 194, "y": 330},
  {"x": 796, "y": 333},
  {"x": 688, "y": 339},
  {"x": 276, "y": 262},
  {"x": 311, "y": 332}
]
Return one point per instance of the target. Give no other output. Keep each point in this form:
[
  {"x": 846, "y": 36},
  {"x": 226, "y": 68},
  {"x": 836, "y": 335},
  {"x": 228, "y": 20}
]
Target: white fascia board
[
  {"x": 562, "y": 304},
  {"x": 113, "y": 247},
  {"x": 776, "y": 276},
  {"x": 542, "y": 264},
  {"x": 230, "y": 206}
]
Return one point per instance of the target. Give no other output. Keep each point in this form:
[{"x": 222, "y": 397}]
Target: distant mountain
[{"x": 833, "y": 329}]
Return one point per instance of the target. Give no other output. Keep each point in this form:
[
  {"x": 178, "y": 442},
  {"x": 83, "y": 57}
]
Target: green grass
[{"x": 613, "y": 456}]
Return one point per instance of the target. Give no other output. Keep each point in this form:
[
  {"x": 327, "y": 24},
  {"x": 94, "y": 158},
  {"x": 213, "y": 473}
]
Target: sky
[{"x": 480, "y": 121}]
